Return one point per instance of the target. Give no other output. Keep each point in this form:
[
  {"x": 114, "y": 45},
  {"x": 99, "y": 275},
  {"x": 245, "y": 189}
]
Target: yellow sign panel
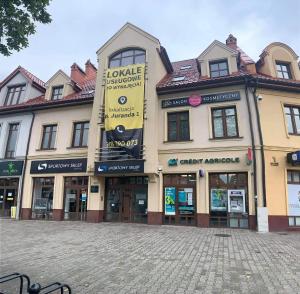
[{"x": 124, "y": 98}]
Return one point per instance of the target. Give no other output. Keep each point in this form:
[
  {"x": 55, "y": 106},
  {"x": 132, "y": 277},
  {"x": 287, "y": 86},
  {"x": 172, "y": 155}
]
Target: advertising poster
[
  {"x": 236, "y": 200},
  {"x": 294, "y": 200},
  {"x": 219, "y": 199},
  {"x": 170, "y": 194},
  {"x": 124, "y": 108}
]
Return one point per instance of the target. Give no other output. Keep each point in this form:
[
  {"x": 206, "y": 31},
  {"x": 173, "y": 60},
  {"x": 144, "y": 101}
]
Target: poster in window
[
  {"x": 219, "y": 199},
  {"x": 170, "y": 193},
  {"x": 294, "y": 200},
  {"x": 236, "y": 201}
]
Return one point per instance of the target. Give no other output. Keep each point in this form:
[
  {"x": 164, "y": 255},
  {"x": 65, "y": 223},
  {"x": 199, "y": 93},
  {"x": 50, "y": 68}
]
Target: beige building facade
[{"x": 204, "y": 152}]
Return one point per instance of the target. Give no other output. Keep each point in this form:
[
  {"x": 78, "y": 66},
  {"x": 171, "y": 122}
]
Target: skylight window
[
  {"x": 185, "y": 67},
  {"x": 178, "y": 79}
]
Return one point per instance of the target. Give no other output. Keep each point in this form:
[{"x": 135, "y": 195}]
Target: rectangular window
[
  {"x": 80, "y": 134},
  {"x": 12, "y": 141},
  {"x": 292, "y": 115},
  {"x": 283, "y": 70},
  {"x": 49, "y": 134},
  {"x": 57, "y": 92},
  {"x": 14, "y": 94},
  {"x": 224, "y": 122},
  {"x": 178, "y": 126},
  {"x": 218, "y": 68}
]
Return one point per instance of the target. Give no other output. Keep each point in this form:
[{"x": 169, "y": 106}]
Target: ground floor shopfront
[
  {"x": 283, "y": 188},
  {"x": 10, "y": 187}
]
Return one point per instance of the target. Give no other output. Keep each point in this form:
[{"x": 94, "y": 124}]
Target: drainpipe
[
  {"x": 25, "y": 166},
  {"x": 261, "y": 142}
]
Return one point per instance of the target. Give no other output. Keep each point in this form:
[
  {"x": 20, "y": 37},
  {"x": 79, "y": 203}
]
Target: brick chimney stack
[
  {"x": 231, "y": 41},
  {"x": 77, "y": 74},
  {"x": 90, "y": 70}
]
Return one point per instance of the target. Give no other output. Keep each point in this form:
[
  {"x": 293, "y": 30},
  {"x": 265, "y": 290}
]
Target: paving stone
[{"x": 131, "y": 258}]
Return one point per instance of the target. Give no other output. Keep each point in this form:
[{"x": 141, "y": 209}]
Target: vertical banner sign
[{"x": 124, "y": 107}]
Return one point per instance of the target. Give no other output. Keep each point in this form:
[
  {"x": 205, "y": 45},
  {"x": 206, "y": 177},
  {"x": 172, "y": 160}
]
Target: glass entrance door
[
  {"x": 76, "y": 197},
  {"x": 8, "y": 196}
]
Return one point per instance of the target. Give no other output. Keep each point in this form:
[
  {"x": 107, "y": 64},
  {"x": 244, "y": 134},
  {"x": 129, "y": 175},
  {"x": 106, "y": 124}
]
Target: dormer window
[
  {"x": 178, "y": 79},
  {"x": 57, "y": 93},
  {"x": 14, "y": 94},
  {"x": 218, "y": 68},
  {"x": 283, "y": 70}
]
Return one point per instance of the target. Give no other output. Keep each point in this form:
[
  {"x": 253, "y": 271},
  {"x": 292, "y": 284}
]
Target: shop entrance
[
  {"x": 8, "y": 195},
  {"x": 126, "y": 199},
  {"x": 75, "y": 198},
  {"x": 228, "y": 200}
]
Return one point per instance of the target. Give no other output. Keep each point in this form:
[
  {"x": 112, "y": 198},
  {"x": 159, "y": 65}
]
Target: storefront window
[
  {"x": 228, "y": 200},
  {"x": 293, "y": 178},
  {"x": 42, "y": 204},
  {"x": 180, "y": 199}
]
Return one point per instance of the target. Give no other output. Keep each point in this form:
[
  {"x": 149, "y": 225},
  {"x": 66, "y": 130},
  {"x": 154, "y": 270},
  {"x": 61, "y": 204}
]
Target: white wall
[{"x": 24, "y": 128}]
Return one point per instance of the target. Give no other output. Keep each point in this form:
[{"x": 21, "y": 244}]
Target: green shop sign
[
  {"x": 176, "y": 161},
  {"x": 11, "y": 168}
]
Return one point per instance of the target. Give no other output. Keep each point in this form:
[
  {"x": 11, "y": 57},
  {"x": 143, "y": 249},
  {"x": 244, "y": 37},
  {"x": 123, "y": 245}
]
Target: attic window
[
  {"x": 57, "y": 93},
  {"x": 178, "y": 79},
  {"x": 283, "y": 70},
  {"x": 185, "y": 67}
]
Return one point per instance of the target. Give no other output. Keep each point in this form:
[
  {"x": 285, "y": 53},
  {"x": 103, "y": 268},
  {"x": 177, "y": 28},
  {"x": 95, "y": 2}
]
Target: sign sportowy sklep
[
  {"x": 58, "y": 166},
  {"x": 124, "y": 108},
  {"x": 196, "y": 100},
  {"x": 176, "y": 161}
]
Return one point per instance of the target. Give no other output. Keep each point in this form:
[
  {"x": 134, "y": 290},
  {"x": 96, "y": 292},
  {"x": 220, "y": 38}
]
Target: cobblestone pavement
[{"x": 131, "y": 258}]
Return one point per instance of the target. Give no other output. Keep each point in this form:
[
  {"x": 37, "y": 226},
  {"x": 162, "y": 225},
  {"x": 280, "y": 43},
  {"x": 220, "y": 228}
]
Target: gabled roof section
[
  {"x": 128, "y": 25},
  {"x": 219, "y": 44},
  {"x": 32, "y": 79},
  {"x": 68, "y": 79},
  {"x": 278, "y": 44}
]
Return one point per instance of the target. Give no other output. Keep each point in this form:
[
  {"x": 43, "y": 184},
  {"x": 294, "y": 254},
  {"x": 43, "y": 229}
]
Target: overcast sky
[{"x": 184, "y": 27}]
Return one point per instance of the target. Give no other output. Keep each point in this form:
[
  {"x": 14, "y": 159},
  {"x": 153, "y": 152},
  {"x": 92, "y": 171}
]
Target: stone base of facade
[
  {"x": 203, "y": 220},
  {"x": 94, "y": 216},
  {"x": 58, "y": 214},
  {"x": 155, "y": 218},
  {"x": 280, "y": 223},
  {"x": 26, "y": 213}
]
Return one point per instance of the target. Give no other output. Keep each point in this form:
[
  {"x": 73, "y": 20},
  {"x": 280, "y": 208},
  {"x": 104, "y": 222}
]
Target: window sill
[
  {"x": 293, "y": 134},
  {"x": 77, "y": 147},
  {"x": 50, "y": 149},
  {"x": 227, "y": 139},
  {"x": 180, "y": 142}
]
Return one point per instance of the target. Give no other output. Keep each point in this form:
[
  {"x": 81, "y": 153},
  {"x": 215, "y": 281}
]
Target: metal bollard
[{"x": 34, "y": 289}]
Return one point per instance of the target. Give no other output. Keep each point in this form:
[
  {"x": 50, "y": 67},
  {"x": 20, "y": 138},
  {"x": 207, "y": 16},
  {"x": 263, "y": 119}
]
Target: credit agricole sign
[{"x": 176, "y": 161}]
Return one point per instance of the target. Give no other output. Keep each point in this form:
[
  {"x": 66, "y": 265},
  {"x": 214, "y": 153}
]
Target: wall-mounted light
[{"x": 201, "y": 173}]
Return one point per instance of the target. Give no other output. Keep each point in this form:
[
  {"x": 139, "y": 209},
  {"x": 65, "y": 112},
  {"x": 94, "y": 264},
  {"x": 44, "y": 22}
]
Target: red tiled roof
[
  {"x": 31, "y": 77},
  {"x": 88, "y": 90},
  {"x": 244, "y": 57}
]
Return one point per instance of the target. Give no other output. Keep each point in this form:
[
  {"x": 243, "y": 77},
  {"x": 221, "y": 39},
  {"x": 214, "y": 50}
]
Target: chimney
[
  {"x": 231, "y": 42},
  {"x": 77, "y": 74},
  {"x": 90, "y": 70}
]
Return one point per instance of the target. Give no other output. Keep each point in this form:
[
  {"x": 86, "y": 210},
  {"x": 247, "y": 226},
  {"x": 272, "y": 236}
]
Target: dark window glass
[
  {"x": 14, "y": 94},
  {"x": 12, "y": 141},
  {"x": 178, "y": 126},
  {"x": 293, "y": 177},
  {"x": 224, "y": 121},
  {"x": 292, "y": 115},
  {"x": 283, "y": 70},
  {"x": 218, "y": 68},
  {"x": 49, "y": 134},
  {"x": 127, "y": 57},
  {"x": 57, "y": 93},
  {"x": 80, "y": 134}
]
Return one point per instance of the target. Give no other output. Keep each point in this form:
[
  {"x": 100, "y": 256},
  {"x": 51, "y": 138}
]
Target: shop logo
[
  {"x": 120, "y": 129},
  {"x": 172, "y": 162},
  {"x": 102, "y": 168},
  {"x": 42, "y": 166},
  {"x": 11, "y": 168},
  {"x": 195, "y": 100},
  {"x": 122, "y": 100},
  {"x": 294, "y": 157}
]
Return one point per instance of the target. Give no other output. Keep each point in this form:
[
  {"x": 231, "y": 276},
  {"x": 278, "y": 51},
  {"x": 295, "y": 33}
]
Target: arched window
[{"x": 126, "y": 57}]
